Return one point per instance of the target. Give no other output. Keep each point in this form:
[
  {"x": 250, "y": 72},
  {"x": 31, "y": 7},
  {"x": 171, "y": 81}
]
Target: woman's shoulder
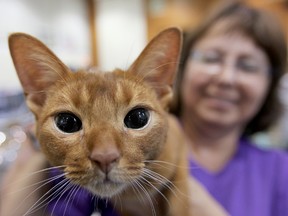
[
  {"x": 271, "y": 165},
  {"x": 269, "y": 157},
  {"x": 253, "y": 148}
]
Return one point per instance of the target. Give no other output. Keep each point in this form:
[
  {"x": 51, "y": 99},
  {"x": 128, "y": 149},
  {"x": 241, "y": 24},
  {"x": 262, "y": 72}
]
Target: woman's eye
[
  {"x": 207, "y": 57},
  {"x": 248, "y": 67},
  {"x": 68, "y": 122},
  {"x": 211, "y": 58},
  {"x": 137, "y": 118}
]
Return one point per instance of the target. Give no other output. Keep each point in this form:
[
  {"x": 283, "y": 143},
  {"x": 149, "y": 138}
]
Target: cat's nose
[{"x": 105, "y": 160}]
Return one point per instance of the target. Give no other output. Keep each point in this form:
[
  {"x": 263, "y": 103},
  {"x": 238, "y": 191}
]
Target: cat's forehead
[
  {"x": 102, "y": 89},
  {"x": 112, "y": 86}
]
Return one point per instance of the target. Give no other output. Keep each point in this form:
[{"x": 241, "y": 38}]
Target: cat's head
[{"x": 104, "y": 128}]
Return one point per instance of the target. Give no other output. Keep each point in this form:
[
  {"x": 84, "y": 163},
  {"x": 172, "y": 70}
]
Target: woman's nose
[{"x": 227, "y": 74}]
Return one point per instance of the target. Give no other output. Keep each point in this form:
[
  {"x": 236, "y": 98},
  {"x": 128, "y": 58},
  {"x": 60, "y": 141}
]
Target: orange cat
[{"x": 111, "y": 130}]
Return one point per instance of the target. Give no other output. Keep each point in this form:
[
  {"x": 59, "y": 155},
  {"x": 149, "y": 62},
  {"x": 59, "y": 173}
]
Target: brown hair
[{"x": 267, "y": 34}]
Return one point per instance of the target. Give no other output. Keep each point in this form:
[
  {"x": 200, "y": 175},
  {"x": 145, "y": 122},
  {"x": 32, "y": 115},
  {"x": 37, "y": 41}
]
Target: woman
[{"x": 226, "y": 91}]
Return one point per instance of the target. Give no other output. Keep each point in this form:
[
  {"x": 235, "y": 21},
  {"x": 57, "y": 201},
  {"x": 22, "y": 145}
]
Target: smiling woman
[
  {"x": 258, "y": 29},
  {"x": 226, "y": 90},
  {"x": 219, "y": 82}
]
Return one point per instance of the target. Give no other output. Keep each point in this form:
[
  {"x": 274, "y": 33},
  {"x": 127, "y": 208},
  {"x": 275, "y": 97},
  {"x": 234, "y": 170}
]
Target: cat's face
[{"x": 103, "y": 128}]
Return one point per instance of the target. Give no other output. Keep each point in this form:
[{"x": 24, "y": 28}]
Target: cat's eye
[
  {"x": 68, "y": 122},
  {"x": 137, "y": 118}
]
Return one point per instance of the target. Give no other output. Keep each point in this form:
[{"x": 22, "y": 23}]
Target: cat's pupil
[
  {"x": 137, "y": 118},
  {"x": 68, "y": 122}
]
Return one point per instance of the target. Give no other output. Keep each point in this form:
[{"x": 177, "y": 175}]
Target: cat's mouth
[{"x": 106, "y": 189}]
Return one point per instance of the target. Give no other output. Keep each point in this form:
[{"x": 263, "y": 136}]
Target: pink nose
[{"x": 105, "y": 160}]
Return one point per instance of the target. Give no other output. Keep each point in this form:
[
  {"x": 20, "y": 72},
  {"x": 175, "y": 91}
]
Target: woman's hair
[{"x": 266, "y": 32}]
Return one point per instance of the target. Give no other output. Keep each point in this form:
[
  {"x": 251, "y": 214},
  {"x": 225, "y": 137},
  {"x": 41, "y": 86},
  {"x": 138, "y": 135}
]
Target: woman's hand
[
  {"x": 202, "y": 203},
  {"x": 20, "y": 188}
]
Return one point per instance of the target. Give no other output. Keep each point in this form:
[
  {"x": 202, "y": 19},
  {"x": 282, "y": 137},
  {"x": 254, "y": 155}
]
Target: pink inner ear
[
  {"x": 36, "y": 99},
  {"x": 37, "y": 67},
  {"x": 159, "y": 61}
]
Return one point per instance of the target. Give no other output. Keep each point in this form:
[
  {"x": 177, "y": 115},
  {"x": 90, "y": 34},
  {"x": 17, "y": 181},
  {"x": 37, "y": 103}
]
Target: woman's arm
[{"x": 202, "y": 203}]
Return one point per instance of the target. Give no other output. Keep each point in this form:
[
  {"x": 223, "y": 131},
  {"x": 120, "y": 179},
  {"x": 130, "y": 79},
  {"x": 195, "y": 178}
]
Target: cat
[{"x": 111, "y": 130}]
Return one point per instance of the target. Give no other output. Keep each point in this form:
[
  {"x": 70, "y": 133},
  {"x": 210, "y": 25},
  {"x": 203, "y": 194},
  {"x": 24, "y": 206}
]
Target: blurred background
[{"x": 103, "y": 34}]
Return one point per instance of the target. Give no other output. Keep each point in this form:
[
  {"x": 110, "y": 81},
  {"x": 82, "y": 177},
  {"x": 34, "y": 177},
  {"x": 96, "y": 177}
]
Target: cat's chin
[{"x": 106, "y": 189}]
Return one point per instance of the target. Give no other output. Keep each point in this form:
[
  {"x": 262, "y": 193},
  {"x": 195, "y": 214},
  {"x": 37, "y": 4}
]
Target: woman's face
[{"x": 225, "y": 81}]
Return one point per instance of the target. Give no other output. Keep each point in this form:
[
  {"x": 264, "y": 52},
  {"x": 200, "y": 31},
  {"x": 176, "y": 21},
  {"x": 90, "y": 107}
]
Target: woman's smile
[{"x": 220, "y": 103}]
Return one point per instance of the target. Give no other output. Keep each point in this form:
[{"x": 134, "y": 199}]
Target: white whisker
[
  {"x": 136, "y": 191},
  {"x": 47, "y": 181},
  {"x": 155, "y": 188},
  {"x": 163, "y": 181},
  {"x": 60, "y": 192},
  {"x": 149, "y": 199},
  {"x": 43, "y": 183},
  {"x": 72, "y": 192},
  {"x": 42, "y": 200},
  {"x": 32, "y": 175},
  {"x": 163, "y": 163}
]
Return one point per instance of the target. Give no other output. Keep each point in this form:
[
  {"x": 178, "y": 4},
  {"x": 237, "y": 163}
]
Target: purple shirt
[{"x": 253, "y": 183}]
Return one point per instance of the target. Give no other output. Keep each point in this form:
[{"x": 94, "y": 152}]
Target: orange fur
[{"x": 105, "y": 156}]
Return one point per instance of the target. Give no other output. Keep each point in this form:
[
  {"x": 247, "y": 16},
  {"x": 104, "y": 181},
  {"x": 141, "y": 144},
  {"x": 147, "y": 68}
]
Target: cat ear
[
  {"x": 37, "y": 68},
  {"x": 158, "y": 63}
]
